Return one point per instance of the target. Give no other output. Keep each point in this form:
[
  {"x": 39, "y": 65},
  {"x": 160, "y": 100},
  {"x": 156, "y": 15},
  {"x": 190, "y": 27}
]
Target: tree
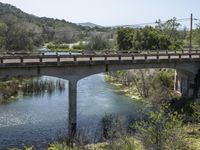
[
  {"x": 160, "y": 131},
  {"x": 125, "y": 38},
  {"x": 170, "y": 29},
  {"x": 18, "y": 38},
  {"x": 3, "y": 31},
  {"x": 98, "y": 42},
  {"x": 196, "y": 35},
  {"x": 149, "y": 38}
]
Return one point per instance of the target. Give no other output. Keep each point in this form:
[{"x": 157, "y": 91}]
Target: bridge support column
[
  {"x": 72, "y": 109},
  {"x": 184, "y": 83}
]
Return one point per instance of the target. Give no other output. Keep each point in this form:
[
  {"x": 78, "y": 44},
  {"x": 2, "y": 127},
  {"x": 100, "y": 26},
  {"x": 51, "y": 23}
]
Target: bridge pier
[
  {"x": 184, "y": 83},
  {"x": 72, "y": 109}
]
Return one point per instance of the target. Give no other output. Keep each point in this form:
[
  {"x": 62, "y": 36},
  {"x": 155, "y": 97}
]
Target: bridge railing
[
  {"x": 104, "y": 52},
  {"x": 128, "y": 56}
]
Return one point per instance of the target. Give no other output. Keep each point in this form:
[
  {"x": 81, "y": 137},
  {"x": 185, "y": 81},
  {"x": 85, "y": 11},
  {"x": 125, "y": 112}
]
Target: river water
[{"x": 38, "y": 120}]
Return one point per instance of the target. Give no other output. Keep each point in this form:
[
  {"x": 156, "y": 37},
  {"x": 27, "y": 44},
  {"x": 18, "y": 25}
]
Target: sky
[{"x": 110, "y": 12}]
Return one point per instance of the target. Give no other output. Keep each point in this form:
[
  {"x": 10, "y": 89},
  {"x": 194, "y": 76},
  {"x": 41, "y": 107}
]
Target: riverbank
[
  {"x": 129, "y": 91},
  {"x": 190, "y": 132},
  {"x": 12, "y": 89},
  {"x": 9, "y": 89}
]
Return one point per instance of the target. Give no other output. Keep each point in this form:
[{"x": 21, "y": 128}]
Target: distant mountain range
[
  {"x": 89, "y": 24},
  {"x": 93, "y": 25}
]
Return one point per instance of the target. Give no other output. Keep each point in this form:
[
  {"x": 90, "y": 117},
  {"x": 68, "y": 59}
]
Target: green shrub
[
  {"x": 62, "y": 146},
  {"x": 160, "y": 131},
  {"x": 80, "y": 46},
  {"x": 196, "y": 112},
  {"x": 52, "y": 46}
]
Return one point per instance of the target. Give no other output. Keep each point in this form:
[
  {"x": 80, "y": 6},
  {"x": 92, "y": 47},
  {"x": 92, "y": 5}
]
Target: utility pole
[{"x": 191, "y": 24}]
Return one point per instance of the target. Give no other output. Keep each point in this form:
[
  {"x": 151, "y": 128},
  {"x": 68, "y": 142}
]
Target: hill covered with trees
[{"x": 22, "y": 31}]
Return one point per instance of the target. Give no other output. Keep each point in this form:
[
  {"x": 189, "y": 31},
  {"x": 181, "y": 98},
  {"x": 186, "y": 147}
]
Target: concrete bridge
[{"x": 74, "y": 67}]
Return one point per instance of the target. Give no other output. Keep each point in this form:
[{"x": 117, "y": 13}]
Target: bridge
[{"x": 74, "y": 67}]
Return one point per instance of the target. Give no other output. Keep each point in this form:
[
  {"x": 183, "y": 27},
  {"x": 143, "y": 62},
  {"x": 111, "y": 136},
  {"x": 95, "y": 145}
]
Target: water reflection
[{"x": 40, "y": 86}]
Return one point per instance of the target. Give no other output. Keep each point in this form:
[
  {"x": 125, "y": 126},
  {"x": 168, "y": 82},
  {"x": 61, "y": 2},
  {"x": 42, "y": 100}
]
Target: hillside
[
  {"x": 19, "y": 30},
  {"x": 89, "y": 24}
]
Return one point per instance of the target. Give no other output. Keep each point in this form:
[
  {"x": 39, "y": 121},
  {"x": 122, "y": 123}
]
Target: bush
[
  {"x": 98, "y": 42},
  {"x": 57, "y": 46},
  {"x": 80, "y": 46},
  {"x": 124, "y": 143},
  {"x": 160, "y": 131},
  {"x": 63, "y": 146},
  {"x": 196, "y": 112},
  {"x": 112, "y": 126}
]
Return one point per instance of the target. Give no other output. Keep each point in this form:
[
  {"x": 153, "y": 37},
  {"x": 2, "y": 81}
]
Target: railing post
[
  {"x": 90, "y": 59},
  {"x": 157, "y": 57},
  {"x": 179, "y": 56},
  {"x": 21, "y": 59},
  {"x": 75, "y": 58},
  {"x": 120, "y": 57},
  {"x": 133, "y": 58},
  {"x": 169, "y": 57},
  {"x": 190, "y": 56},
  {"x": 145, "y": 57},
  {"x": 1, "y": 59},
  {"x": 58, "y": 58},
  {"x": 40, "y": 59},
  {"x": 105, "y": 58}
]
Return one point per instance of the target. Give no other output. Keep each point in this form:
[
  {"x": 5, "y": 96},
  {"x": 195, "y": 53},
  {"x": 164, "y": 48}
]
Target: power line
[{"x": 152, "y": 23}]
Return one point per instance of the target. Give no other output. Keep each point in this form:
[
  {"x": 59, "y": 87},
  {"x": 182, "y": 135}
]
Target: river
[{"x": 38, "y": 120}]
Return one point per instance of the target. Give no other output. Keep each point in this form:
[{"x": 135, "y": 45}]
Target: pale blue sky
[{"x": 110, "y": 12}]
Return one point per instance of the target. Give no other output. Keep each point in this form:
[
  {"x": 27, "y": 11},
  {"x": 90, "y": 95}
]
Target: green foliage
[
  {"x": 3, "y": 31},
  {"x": 124, "y": 143},
  {"x": 98, "y": 42},
  {"x": 11, "y": 87},
  {"x": 170, "y": 29},
  {"x": 155, "y": 84},
  {"x": 196, "y": 36},
  {"x": 165, "y": 78},
  {"x": 62, "y": 146},
  {"x": 24, "y": 31},
  {"x": 149, "y": 38},
  {"x": 159, "y": 131},
  {"x": 80, "y": 46},
  {"x": 18, "y": 38},
  {"x": 125, "y": 38},
  {"x": 52, "y": 46},
  {"x": 24, "y": 147},
  {"x": 163, "y": 36},
  {"x": 112, "y": 126},
  {"x": 196, "y": 112}
]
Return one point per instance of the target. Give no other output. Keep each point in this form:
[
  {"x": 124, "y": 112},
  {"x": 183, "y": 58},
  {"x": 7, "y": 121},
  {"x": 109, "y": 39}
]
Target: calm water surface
[{"x": 38, "y": 120}]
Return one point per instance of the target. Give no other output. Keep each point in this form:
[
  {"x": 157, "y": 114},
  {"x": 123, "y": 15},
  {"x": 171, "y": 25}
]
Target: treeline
[{"x": 164, "y": 36}]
